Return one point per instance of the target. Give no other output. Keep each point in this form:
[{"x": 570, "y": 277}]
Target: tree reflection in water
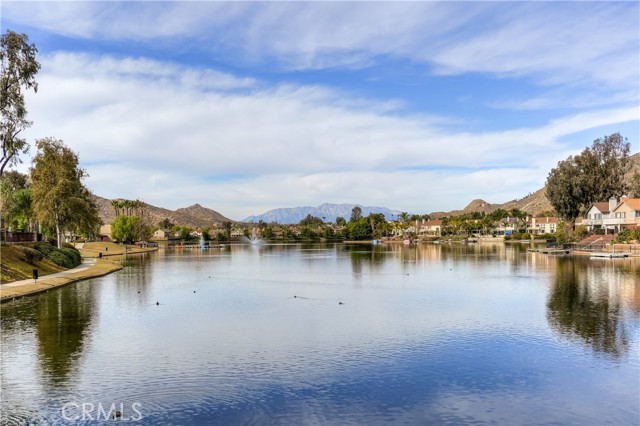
[
  {"x": 63, "y": 320},
  {"x": 583, "y": 307}
]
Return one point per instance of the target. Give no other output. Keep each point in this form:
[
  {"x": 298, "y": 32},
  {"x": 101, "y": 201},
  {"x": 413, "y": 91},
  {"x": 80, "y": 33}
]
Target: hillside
[
  {"x": 327, "y": 212},
  {"x": 194, "y": 216},
  {"x": 534, "y": 203}
]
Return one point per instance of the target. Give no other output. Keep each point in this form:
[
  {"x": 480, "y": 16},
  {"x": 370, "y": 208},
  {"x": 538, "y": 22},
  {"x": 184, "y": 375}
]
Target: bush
[
  {"x": 44, "y": 248},
  {"x": 72, "y": 254},
  {"x": 61, "y": 259},
  {"x": 624, "y": 236},
  {"x": 31, "y": 255}
]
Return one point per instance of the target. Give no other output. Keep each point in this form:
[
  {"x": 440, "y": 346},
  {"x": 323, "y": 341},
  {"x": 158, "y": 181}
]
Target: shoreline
[
  {"x": 90, "y": 268},
  {"x": 93, "y": 266}
]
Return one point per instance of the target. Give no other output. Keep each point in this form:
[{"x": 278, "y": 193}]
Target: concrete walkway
[{"x": 86, "y": 264}]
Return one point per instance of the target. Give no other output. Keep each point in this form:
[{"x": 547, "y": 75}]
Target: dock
[
  {"x": 550, "y": 251},
  {"x": 610, "y": 255}
]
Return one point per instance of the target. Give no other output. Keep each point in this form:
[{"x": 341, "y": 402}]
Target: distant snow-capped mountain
[{"x": 327, "y": 212}]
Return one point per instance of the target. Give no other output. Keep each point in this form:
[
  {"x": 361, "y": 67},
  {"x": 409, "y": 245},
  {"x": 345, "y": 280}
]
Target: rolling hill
[
  {"x": 534, "y": 203},
  {"x": 194, "y": 216}
]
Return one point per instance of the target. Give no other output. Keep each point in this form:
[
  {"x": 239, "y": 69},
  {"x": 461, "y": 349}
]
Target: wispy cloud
[{"x": 553, "y": 43}]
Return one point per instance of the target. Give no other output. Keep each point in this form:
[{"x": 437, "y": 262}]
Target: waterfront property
[{"x": 613, "y": 216}]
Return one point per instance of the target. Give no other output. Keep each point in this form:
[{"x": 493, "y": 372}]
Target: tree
[
  {"x": 124, "y": 228},
  {"x": 359, "y": 230},
  {"x": 21, "y": 211},
  {"x": 116, "y": 206},
  {"x": 340, "y": 221},
  {"x": 166, "y": 223},
  {"x": 12, "y": 182},
  {"x": 356, "y": 214},
  {"x": 19, "y": 67},
  {"x": 596, "y": 174},
  {"x": 226, "y": 226},
  {"x": 205, "y": 233},
  {"x": 60, "y": 200},
  {"x": 311, "y": 221},
  {"x": 606, "y": 163},
  {"x": 565, "y": 190},
  {"x": 377, "y": 223},
  {"x": 634, "y": 187},
  {"x": 267, "y": 232}
]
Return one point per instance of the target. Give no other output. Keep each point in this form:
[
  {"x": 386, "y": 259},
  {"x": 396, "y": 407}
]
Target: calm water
[{"x": 479, "y": 334}]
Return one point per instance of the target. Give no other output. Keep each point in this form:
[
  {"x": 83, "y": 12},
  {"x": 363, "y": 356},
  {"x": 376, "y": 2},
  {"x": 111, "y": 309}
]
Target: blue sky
[{"x": 244, "y": 107}]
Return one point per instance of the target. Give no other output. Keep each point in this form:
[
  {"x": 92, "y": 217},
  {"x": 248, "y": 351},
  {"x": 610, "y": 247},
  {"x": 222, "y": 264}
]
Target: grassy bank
[
  {"x": 15, "y": 264},
  {"x": 100, "y": 268},
  {"x": 94, "y": 249}
]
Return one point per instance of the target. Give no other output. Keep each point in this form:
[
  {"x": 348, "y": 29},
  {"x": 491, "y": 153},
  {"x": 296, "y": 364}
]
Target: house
[
  {"x": 597, "y": 213},
  {"x": 431, "y": 228},
  {"x": 162, "y": 234},
  {"x": 506, "y": 226},
  {"x": 104, "y": 234},
  {"x": 237, "y": 232},
  {"x": 625, "y": 215},
  {"x": 542, "y": 225}
]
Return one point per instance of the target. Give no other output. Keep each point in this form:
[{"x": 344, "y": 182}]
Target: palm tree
[{"x": 117, "y": 205}]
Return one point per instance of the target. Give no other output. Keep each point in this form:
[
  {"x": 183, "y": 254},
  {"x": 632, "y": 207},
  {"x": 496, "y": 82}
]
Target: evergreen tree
[{"x": 596, "y": 174}]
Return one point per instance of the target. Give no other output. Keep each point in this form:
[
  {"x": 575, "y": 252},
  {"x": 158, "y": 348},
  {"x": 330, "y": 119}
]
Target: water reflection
[
  {"x": 428, "y": 334},
  {"x": 585, "y": 308},
  {"x": 63, "y": 322}
]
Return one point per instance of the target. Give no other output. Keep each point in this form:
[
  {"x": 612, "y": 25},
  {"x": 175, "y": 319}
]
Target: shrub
[
  {"x": 624, "y": 236},
  {"x": 61, "y": 259},
  {"x": 73, "y": 254},
  {"x": 31, "y": 255},
  {"x": 44, "y": 248}
]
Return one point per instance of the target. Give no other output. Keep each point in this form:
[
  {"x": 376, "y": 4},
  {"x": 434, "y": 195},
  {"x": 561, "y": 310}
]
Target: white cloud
[
  {"x": 552, "y": 42},
  {"x": 168, "y": 134}
]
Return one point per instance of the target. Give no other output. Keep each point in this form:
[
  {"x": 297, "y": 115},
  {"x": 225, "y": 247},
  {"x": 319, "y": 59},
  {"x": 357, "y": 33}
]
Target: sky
[{"x": 244, "y": 107}]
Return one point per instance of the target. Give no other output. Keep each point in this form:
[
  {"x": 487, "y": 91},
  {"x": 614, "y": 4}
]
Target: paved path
[{"x": 86, "y": 264}]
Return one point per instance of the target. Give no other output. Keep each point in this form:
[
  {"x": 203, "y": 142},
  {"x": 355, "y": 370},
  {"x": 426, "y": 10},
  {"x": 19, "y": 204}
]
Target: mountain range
[
  {"x": 327, "y": 212},
  {"x": 198, "y": 216}
]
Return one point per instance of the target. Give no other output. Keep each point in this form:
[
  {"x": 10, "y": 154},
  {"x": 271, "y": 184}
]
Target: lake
[{"x": 331, "y": 334}]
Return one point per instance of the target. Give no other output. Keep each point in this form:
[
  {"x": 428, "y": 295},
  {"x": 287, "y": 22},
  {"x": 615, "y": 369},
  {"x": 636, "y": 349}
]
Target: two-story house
[
  {"x": 598, "y": 213},
  {"x": 542, "y": 225},
  {"x": 625, "y": 215},
  {"x": 431, "y": 228}
]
